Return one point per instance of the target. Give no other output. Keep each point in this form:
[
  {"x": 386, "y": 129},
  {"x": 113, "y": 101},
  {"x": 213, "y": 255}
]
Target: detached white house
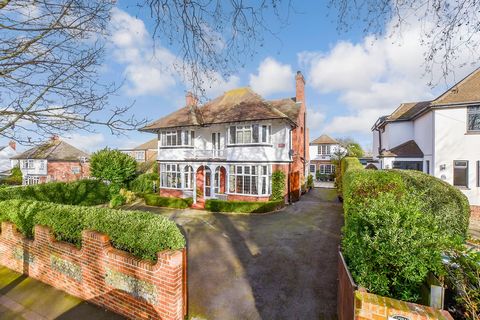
[
  {"x": 321, "y": 151},
  {"x": 439, "y": 137},
  {"x": 6, "y": 153}
]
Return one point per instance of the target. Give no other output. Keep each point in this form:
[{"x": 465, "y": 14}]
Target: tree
[
  {"x": 447, "y": 27},
  {"x": 50, "y": 53},
  {"x": 114, "y": 166},
  {"x": 351, "y": 148}
]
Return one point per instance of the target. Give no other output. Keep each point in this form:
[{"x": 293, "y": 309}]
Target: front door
[{"x": 208, "y": 182}]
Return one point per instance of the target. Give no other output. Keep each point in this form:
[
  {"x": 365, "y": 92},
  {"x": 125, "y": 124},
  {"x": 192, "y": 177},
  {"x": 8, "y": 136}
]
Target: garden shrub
[
  {"x": 117, "y": 201},
  {"x": 144, "y": 183},
  {"x": 141, "y": 233},
  {"x": 113, "y": 166},
  {"x": 170, "y": 202},
  {"x": 216, "y": 205},
  {"x": 15, "y": 178},
  {"x": 278, "y": 185},
  {"x": 347, "y": 163},
  {"x": 82, "y": 192},
  {"x": 397, "y": 225},
  {"x": 310, "y": 181}
]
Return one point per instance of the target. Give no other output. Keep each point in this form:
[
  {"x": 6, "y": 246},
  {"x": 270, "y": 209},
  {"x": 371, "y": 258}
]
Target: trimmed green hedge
[
  {"x": 144, "y": 183},
  {"x": 216, "y": 205},
  {"x": 82, "y": 192},
  {"x": 141, "y": 233},
  {"x": 170, "y": 202},
  {"x": 347, "y": 163},
  {"x": 397, "y": 225}
]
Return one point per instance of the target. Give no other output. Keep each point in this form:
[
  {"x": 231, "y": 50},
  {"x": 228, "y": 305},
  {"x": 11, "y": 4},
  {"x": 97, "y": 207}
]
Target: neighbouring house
[
  {"x": 322, "y": 152},
  {"x": 440, "y": 137},
  {"x": 6, "y": 161},
  {"x": 145, "y": 152},
  {"x": 228, "y": 147},
  {"x": 54, "y": 160}
]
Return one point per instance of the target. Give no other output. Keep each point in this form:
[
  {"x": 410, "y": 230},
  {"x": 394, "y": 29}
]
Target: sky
[{"x": 352, "y": 78}]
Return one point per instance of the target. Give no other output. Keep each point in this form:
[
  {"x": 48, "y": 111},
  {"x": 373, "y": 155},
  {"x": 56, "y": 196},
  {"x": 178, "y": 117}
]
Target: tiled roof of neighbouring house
[
  {"x": 235, "y": 105},
  {"x": 152, "y": 144},
  {"x": 324, "y": 139},
  {"x": 464, "y": 92},
  {"x": 54, "y": 149},
  {"x": 408, "y": 149}
]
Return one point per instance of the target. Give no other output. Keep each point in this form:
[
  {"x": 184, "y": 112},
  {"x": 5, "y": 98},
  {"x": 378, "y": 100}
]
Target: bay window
[
  {"x": 176, "y": 138},
  {"x": 249, "y": 180},
  {"x": 249, "y": 134},
  {"x": 170, "y": 176}
]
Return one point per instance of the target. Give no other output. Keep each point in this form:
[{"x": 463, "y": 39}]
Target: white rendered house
[
  {"x": 322, "y": 150},
  {"x": 439, "y": 137}
]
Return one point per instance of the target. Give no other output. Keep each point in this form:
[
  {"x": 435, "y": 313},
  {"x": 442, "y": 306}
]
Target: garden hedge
[
  {"x": 216, "y": 205},
  {"x": 397, "y": 225},
  {"x": 170, "y": 202},
  {"x": 141, "y": 233},
  {"x": 82, "y": 192},
  {"x": 144, "y": 183}
]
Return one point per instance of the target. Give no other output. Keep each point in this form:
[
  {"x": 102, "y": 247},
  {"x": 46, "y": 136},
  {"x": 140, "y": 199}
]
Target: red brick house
[
  {"x": 145, "y": 152},
  {"x": 54, "y": 160},
  {"x": 228, "y": 147}
]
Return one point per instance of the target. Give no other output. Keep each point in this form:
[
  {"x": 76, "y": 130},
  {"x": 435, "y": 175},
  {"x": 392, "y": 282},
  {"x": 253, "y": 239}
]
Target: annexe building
[
  {"x": 228, "y": 147},
  {"x": 439, "y": 137},
  {"x": 54, "y": 160}
]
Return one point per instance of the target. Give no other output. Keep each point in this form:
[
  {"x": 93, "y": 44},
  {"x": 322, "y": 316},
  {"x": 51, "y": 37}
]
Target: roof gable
[
  {"x": 324, "y": 139},
  {"x": 465, "y": 91},
  {"x": 409, "y": 149}
]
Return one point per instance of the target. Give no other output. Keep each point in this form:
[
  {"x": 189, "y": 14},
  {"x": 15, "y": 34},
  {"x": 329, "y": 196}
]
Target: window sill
[
  {"x": 250, "y": 145},
  {"x": 247, "y": 195},
  {"x": 462, "y": 187},
  {"x": 472, "y": 133},
  {"x": 176, "y": 147}
]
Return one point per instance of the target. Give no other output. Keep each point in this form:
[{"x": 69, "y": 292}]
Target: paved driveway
[{"x": 274, "y": 266}]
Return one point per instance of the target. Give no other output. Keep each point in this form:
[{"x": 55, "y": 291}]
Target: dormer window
[
  {"x": 249, "y": 134},
  {"x": 177, "y": 138},
  {"x": 473, "y": 119}
]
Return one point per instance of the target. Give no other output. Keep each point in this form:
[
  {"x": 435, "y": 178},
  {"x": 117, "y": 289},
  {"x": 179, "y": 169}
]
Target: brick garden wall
[
  {"x": 171, "y": 193},
  {"x": 100, "y": 273},
  {"x": 475, "y": 212}
]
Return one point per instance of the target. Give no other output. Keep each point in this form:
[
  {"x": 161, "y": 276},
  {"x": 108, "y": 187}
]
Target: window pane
[
  {"x": 239, "y": 169},
  {"x": 192, "y": 136},
  {"x": 460, "y": 173},
  {"x": 247, "y": 135},
  {"x": 239, "y": 184},
  {"x": 232, "y": 183},
  {"x": 179, "y": 138},
  {"x": 254, "y": 185},
  {"x": 264, "y": 133},
  {"x": 232, "y": 135},
  {"x": 239, "y": 136},
  {"x": 247, "y": 185},
  {"x": 186, "y": 138},
  {"x": 247, "y": 170},
  {"x": 174, "y": 138},
  {"x": 169, "y": 140},
  {"x": 474, "y": 120},
  {"x": 264, "y": 185},
  {"x": 264, "y": 170},
  {"x": 255, "y": 133}
]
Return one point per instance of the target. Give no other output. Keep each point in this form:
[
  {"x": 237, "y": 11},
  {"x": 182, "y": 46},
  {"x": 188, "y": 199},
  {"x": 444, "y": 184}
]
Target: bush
[
  {"x": 117, "y": 201},
  {"x": 129, "y": 196},
  {"x": 144, "y": 183},
  {"x": 216, "y": 205},
  {"x": 82, "y": 192},
  {"x": 347, "y": 163},
  {"x": 114, "y": 166},
  {"x": 310, "y": 181},
  {"x": 15, "y": 178},
  {"x": 397, "y": 225},
  {"x": 170, "y": 202},
  {"x": 278, "y": 185},
  {"x": 141, "y": 233}
]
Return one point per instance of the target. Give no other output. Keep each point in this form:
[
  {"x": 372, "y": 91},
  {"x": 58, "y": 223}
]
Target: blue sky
[{"x": 352, "y": 78}]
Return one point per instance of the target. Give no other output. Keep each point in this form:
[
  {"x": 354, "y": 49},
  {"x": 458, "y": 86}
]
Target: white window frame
[
  {"x": 31, "y": 180},
  {"x": 177, "y": 138},
  {"x": 473, "y": 111},
  {"x": 458, "y": 166},
  {"x": 170, "y": 176},
  {"x": 76, "y": 169},
  {"x": 323, "y": 168},
  {"x": 188, "y": 176},
  {"x": 314, "y": 168},
  {"x": 140, "y": 155},
  {"x": 264, "y": 134},
  {"x": 324, "y": 149},
  {"x": 247, "y": 172}
]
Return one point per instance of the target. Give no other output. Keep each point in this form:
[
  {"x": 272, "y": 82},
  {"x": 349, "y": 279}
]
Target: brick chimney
[
  {"x": 300, "y": 87},
  {"x": 190, "y": 99},
  {"x": 13, "y": 145}
]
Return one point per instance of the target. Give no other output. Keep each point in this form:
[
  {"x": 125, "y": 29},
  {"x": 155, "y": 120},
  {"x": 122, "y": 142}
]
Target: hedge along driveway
[{"x": 281, "y": 265}]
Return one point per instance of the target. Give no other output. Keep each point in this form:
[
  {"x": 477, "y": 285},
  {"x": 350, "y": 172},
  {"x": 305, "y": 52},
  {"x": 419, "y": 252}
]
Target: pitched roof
[
  {"x": 235, "y": 105},
  {"x": 152, "y": 144},
  {"x": 465, "y": 91},
  {"x": 324, "y": 139},
  {"x": 409, "y": 149},
  {"x": 53, "y": 150}
]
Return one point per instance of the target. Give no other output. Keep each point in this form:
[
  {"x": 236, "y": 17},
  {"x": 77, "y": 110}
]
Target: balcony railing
[{"x": 207, "y": 154}]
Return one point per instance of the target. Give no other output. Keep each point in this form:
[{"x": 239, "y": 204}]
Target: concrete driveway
[{"x": 281, "y": 265}]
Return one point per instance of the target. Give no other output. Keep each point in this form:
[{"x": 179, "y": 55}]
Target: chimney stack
[
  {"x": 300, "y": 88},
  {"x": 55, "y": 137},
  {"x": 13, "y": 145},
  {"x": 190, "y": 99}
]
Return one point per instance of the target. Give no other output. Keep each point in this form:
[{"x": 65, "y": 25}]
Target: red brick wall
[
  {"x": 99, "y": 273},
  {"x": 300, "y": 133},
  {"x": 237, "y": 197},
  {"x": 475, "y": 212},
  {"x": 171, "y": 193},
  {"x": 370, "y": 306},
  {"x": 62, "y": 171}
]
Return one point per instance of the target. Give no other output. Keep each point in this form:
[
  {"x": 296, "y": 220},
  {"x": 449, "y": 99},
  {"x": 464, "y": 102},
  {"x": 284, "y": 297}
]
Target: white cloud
[
  {"x": 273, "y": 77},
  {"x": 216, "y": 85},
  {"x": 315, "y": 120},
  {"x": 149, "y": 69},
  {"x": 372, "y": 77},
  {"x": 89, "y": 142}
]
